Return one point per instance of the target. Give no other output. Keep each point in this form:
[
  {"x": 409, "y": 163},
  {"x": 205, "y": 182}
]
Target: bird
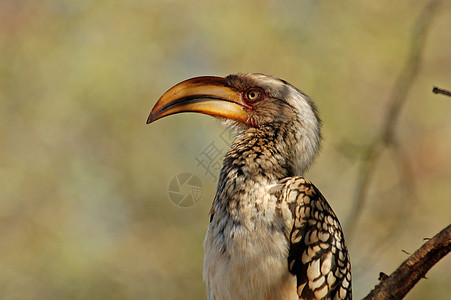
[{"x": 272, "y": 234}]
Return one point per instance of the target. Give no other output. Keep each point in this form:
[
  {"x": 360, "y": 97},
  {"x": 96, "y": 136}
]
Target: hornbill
[{"x": 272, "y": 234}]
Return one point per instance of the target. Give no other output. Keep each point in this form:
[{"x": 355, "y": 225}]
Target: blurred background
[{"x": 84, "y": 205}]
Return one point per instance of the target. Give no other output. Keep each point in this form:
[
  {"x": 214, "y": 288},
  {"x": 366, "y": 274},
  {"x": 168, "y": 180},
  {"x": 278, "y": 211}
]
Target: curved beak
[{"x": 208, "y": 95}]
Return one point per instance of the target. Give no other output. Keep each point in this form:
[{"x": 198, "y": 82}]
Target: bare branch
[
  {"x": 387, "y": 135},
  {"x": 403, "y": 279},
  {"x": 437, "y": 90}
]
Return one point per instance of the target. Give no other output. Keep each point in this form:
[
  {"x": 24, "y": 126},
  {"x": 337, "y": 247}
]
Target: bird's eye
[{"x": 254, "y": 95}]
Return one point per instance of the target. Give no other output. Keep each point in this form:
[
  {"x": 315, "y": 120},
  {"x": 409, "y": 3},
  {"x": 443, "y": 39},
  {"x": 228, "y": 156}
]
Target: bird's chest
[{"x": 246, "y": 251}]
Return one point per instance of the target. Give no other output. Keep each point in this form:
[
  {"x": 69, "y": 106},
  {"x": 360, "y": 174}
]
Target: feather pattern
[{"x": 318, "y": 256}]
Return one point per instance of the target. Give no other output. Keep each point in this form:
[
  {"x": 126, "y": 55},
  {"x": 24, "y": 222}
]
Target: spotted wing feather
[{"x": 318, "y": 255}]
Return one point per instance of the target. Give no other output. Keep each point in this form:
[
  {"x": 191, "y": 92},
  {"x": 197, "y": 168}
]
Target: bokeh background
[{"x": 84, "y": 206}]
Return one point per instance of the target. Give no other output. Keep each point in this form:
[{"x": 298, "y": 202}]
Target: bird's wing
[{"x": 318, "y": 256}]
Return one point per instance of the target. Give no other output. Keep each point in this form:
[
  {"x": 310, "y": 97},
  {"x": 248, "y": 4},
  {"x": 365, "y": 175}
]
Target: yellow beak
[{"x": 208, "y": 95}]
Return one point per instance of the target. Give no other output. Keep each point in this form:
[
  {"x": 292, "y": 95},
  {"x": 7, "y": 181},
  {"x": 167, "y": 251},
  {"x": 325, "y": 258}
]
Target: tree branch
[
  {"x": 387, "y": 135},
  {"x": 403, "y": 279}
]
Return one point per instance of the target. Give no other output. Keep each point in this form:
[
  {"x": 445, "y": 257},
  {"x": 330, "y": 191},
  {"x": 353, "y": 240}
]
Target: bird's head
[{"x": 250, "y": 102}]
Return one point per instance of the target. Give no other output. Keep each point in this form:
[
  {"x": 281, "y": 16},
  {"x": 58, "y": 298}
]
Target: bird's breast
[{"x": 246, "y": 250}]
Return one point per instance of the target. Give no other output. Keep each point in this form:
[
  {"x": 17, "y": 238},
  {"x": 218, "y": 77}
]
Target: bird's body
[
  {"x": 246, "y": 248},
  {"x": 272, "y": 235}
]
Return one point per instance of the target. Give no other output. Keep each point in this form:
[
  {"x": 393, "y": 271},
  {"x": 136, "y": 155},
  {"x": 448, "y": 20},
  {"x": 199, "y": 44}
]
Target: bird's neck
[
  {"x": 259, "y": 152},
  {"x": 258, "y": 158}
]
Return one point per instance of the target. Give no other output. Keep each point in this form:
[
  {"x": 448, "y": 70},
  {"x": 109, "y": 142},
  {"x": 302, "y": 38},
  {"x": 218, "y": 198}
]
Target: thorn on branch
[
  {"x": 437, "y": 90},
  {"x": 382, "y": 276}
]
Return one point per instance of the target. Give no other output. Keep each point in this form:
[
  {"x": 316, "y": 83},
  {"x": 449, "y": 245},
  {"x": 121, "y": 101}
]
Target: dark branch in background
[
  {"x": 437, "y": 90},
  {"x": 386, "y": 137},
  {"x": 403, "y": 279}
]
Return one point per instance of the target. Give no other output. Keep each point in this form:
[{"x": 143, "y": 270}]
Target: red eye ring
[{"x": 254, "y": 95}]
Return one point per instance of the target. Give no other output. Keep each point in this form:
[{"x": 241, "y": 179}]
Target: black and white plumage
[{"x": 272, "y": 235}]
